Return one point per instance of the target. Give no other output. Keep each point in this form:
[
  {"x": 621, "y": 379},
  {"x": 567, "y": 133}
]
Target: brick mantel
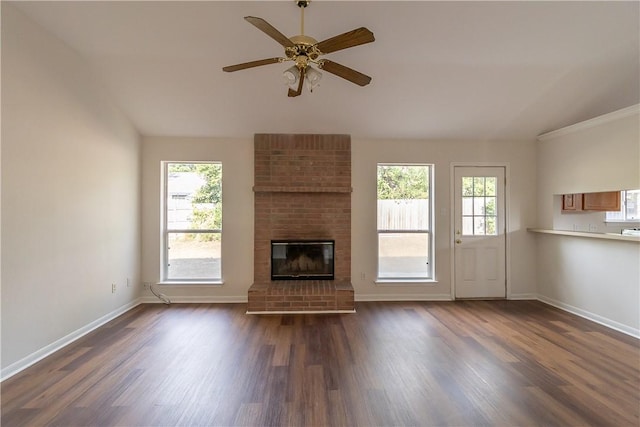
[{"x": 302, "y": 191}]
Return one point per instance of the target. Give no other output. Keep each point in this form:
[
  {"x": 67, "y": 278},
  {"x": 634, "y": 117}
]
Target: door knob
[{"x": 458, "y": 241}]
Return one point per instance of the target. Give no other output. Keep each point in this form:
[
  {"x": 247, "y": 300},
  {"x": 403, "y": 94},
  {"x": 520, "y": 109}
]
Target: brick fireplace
[{"x": 302, "y": 191}]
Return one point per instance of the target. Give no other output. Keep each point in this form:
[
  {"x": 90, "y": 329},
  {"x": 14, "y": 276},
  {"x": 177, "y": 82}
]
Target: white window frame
[
  {"x": 623, "y": 210},
  {"x": 429, "y": 230},
  {"x": 166, "y": 231}
]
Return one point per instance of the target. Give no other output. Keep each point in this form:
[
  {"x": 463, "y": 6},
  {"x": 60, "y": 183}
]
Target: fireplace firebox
[{"x": 302, "y": 259}]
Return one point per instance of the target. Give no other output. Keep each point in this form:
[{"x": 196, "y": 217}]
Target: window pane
[
  {"x": 467, "y": 226},
  {"x": 478, "y": 225},
  {"x": 632, "y": 204},
  {"x": 403, "y": 214},
  {"x": 478, "y": 206},
  {"x": 193, "y": 256},
  {"x": 403, "y": 255},
  {"x": 194, "y": 196},
  {"x": 467, "y": 186},
  {"x": 490, "y": 186},
  {"x": 403, "y": 182},
  {"x": 491, "y": 228},
  {"x": 490, "y": 206},
  {"x": 478, "y": 186},
  {"x": 467, "y": 206}
]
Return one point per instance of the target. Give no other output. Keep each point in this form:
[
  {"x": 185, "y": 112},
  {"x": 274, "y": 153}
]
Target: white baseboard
[
  {"x": 36, "y": 356},
  {"x": 523, "y": 297},
  {"x": 403, "y": 297},
  {"x": 197, "y": 299},
  {"x": 591, "y": 316}
]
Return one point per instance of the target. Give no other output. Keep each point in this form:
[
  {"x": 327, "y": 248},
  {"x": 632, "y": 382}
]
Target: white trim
[
  {"x": 520, "y": 297},
  {"x": 404, "y": 297},
  {"x": 596, "y": 121},
  {"x": 45, "y": 351},
  {"x": 591, "y": 316},
  {"x": 205, "y": 299},
  {"x": 304, "y": 312}
]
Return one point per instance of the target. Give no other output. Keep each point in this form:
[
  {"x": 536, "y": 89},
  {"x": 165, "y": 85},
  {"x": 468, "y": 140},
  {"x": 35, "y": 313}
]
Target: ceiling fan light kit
[{"x": 304, "y": 51}]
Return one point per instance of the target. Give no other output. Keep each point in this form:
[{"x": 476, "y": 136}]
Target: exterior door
[{"x": 479, "y": 232}]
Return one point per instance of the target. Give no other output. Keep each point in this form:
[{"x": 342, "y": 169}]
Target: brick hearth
[{"x": 302, "y": 191}]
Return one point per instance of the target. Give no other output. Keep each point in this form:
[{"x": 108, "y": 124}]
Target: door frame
[{"x": 507, "y": 225}]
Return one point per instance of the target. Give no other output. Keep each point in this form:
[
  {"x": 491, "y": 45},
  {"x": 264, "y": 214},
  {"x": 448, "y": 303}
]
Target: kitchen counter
[{"x": 606, "y": 236}]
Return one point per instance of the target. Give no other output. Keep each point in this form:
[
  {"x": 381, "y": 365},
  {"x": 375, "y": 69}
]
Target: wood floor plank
[{"x": 497, "y": 363}]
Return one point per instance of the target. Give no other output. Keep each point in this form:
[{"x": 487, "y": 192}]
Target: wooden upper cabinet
[
  {"x": 571, "y": 202},
  {"x": 606, "y": 201}
]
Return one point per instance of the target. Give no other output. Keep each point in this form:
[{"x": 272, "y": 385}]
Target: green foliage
[
  {"x": 207, "y": 202},
  {"x": 478, "y": 186},
  {"x": 211, "y": 191},
  {"x": 181, "y": 167},
  {"x": 403, "y": 182}
]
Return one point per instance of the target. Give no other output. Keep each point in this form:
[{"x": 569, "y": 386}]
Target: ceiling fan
[{"x": 304, "y": 51}]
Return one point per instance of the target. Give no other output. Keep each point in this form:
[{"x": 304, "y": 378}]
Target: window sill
[
  {"x": 405, "y": 282},
  {"x": 195, "y": 283}
]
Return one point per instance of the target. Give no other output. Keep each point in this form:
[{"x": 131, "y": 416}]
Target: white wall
[
  {"x": 518, "y": 156},
  {"x": 598, "y": 279},
  {"x": 236, "y": 156},
  {"x": 237, "y": 161},
  {"x": 595, "y": 278},
  {"x": 70, "y": 196},
  {"x": 598, "y": 155}
]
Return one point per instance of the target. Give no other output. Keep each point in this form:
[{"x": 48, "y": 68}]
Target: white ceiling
[{"x": 441, "y": 70}]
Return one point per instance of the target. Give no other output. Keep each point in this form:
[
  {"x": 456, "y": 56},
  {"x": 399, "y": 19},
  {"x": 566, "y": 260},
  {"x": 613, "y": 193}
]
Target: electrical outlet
[
  {"x": 146, "y": 286},
  {"x": 362, "y": 276},
  {"x": 113, "y": 288}
]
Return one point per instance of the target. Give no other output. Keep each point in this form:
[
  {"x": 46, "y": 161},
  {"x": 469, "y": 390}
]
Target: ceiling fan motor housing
[{"x": 304, "y": 46}]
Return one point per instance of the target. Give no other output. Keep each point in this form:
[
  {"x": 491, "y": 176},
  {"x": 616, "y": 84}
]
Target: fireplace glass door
[{"x": 302, "y": 260}]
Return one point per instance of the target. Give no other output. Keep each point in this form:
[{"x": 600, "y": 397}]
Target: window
[
  {"x": 404, "y": 222},
  {"x": 479, "y": 199},
  {"x": 629, "y": 208},
  {"x": 192, "y": 222}
]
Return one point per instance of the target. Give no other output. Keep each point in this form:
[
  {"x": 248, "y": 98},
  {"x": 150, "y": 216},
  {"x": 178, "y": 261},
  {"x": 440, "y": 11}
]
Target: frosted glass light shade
[
  {"x": 291, "y": 75},
  {"x": 313, "y": 77}
]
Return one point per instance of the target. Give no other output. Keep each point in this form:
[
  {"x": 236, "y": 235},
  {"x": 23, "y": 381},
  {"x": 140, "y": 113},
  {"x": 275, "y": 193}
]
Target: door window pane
[{"x": 490, "y": 186}]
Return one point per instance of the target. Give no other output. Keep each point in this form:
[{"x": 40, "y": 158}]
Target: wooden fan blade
[
  {"x": 349, "y": 39},
  {"x": 251, "y": 64},
  {"x": 292, "y": 93},
  {"x": 345, "y": 72},
  {"x": 269, "y": 30}
]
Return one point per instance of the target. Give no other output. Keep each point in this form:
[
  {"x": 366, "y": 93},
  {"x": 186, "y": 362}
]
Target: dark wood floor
[{"x": 421, "y": 364}]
